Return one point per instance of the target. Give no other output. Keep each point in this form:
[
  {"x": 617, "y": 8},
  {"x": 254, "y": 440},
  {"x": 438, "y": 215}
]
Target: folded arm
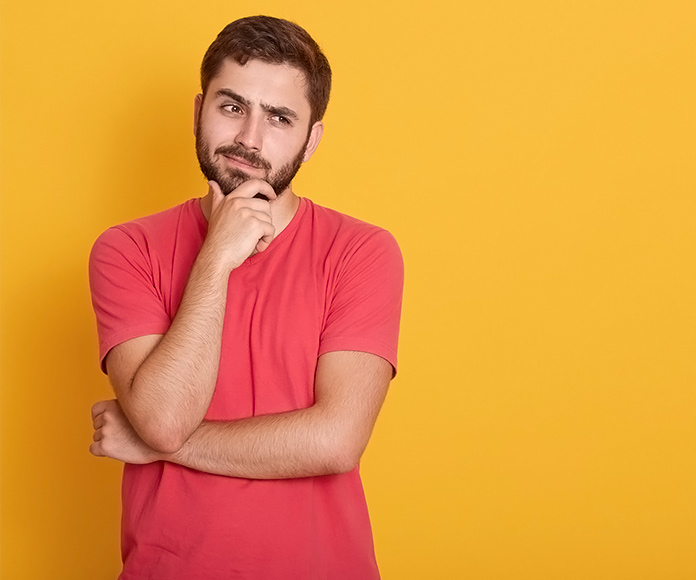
[
  {"x": 327, "y": 438},
  {"x": 164, "y": 383}
]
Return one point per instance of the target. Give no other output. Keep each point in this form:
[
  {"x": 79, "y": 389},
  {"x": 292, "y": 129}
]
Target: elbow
[
  {"x": 163, "y": 439},
  {"x": 345, "y": 465},
  {"x": 163, "y": 431},
  {"x": 166, "y": 445},
  {"x": 343, "y": 458},
  {"x": 341, "y": 447}
]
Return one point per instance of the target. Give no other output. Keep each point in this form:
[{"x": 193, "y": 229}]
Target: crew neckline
[{"x": 277, "y": 241}]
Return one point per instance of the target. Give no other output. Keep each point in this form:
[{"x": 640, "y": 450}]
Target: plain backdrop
[{"x": 534, "y": 159}]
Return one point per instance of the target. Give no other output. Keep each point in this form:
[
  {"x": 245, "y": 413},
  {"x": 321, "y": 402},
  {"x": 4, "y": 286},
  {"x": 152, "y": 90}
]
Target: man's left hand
[{"x": 114, "y": 437}]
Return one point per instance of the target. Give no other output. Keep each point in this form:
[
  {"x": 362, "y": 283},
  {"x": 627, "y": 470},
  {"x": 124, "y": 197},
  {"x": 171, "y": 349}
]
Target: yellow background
[{"x": 536, "y": 162}]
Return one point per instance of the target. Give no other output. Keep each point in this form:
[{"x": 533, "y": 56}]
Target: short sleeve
[
  {"x": 365, "y": 309},
  {"x": 125, "y": 297}
]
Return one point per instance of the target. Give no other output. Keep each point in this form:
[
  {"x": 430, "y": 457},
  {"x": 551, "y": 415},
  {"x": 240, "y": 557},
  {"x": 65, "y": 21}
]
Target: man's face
[{"x": 254, "y": 123}]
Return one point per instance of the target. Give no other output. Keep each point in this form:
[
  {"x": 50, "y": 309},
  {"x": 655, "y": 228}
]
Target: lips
[
  {"x": 243, "y": 158},
  {"x": 241, "y": 162}
]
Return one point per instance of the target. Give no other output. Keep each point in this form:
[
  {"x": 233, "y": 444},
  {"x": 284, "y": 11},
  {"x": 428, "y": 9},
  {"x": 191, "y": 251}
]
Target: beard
[{"x": 229, "y": 178}]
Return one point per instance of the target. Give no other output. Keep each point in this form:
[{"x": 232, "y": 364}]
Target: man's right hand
[{"x": 240, "y": 225}]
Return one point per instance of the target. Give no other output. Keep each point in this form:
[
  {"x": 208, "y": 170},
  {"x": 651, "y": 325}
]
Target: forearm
[
  {"x": 328, "y": 437},
  {"x": 302, "y": 443},
  {"x": 172, "y": 388}
]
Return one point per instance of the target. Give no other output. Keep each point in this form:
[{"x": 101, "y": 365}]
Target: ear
[
  {"x": 197, "y": 104},
  {"x": 313, "y": 142}
]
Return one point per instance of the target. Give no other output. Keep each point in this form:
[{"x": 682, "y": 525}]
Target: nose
[{"x": 250, "y": 133}]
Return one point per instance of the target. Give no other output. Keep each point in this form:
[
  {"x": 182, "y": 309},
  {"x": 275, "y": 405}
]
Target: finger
[
  {"x": 95, "y": 449},
  {"x": 97, "y": 435},
  {"x": 266, "y": 239},
  {"x": 216, "y": 195},
  {"x": 261, "y": 210},
  {"x": 215, "y": 190},
  {"x": 252, "y": 187},
  {"x": 247, "y": 207},
  {"x": 98, "y": 408},
  {"x": 99, "y": 421}
]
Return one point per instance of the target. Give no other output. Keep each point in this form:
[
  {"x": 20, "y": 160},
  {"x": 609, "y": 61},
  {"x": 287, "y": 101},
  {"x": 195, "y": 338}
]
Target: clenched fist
[{"x": 114, "y": 437}]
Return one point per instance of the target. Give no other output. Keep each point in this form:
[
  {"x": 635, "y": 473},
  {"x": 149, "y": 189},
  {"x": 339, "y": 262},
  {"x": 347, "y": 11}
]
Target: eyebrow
[{"x": 275, "y": 110}]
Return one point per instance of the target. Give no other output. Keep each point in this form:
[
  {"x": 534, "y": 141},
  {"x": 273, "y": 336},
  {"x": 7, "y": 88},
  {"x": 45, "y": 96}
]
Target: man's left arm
[{"x": 327, "y": 438}]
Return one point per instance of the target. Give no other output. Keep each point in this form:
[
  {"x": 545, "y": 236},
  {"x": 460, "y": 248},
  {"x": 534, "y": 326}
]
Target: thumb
[{"x": 216, "y": 194}]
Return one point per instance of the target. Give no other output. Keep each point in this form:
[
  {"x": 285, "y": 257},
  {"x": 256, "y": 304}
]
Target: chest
[{"x": 275, "y": 313}]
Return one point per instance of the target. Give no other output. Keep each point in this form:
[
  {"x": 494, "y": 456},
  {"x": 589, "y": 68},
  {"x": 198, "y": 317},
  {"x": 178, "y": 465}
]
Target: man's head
[
  {"x": 273, "y": 41},
  {"x": 265, "y": 87}
]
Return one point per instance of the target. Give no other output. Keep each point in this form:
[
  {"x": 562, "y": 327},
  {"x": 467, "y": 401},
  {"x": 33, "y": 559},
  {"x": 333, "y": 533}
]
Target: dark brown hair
[{"x": 274, "y": 41}]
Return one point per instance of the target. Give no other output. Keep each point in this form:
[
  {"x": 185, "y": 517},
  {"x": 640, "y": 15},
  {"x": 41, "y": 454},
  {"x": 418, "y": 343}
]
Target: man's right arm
[{"x": 164, "y": 383}]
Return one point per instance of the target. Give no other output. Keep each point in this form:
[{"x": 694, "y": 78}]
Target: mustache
[{"x": 242, "y": 153}]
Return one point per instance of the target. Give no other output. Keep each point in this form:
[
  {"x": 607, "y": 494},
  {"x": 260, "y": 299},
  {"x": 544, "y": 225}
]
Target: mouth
[{"x": 240, "y": 163}]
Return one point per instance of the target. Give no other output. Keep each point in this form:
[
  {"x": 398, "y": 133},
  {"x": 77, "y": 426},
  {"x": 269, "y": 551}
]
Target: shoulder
[
  {"x": 157, "y": 224},
  {"x": 347, "y": 234},
  {"x": 154, "y": 230}
]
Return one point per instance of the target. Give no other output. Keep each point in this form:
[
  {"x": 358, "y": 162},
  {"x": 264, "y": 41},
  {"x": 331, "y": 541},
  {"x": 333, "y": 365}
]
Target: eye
[
  {"x": 232, "y": 108},
  {"x": 280, "y": 120}
]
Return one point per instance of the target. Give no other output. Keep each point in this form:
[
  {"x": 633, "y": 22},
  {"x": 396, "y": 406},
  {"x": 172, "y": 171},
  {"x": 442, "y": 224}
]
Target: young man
[{"x": 250, "y": 336}]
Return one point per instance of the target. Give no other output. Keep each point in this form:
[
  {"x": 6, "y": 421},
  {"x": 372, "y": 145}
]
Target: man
[{"x": 250, "y": 336}]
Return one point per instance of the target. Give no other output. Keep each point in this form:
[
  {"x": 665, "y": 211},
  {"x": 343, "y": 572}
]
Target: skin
[{"x": 164, "y": 383}]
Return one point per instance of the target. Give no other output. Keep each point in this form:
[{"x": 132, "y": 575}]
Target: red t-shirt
[{"x": 328, "y": 282}]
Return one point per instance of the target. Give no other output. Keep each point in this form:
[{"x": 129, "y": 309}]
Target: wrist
[{"x": 210, "y": 264}]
